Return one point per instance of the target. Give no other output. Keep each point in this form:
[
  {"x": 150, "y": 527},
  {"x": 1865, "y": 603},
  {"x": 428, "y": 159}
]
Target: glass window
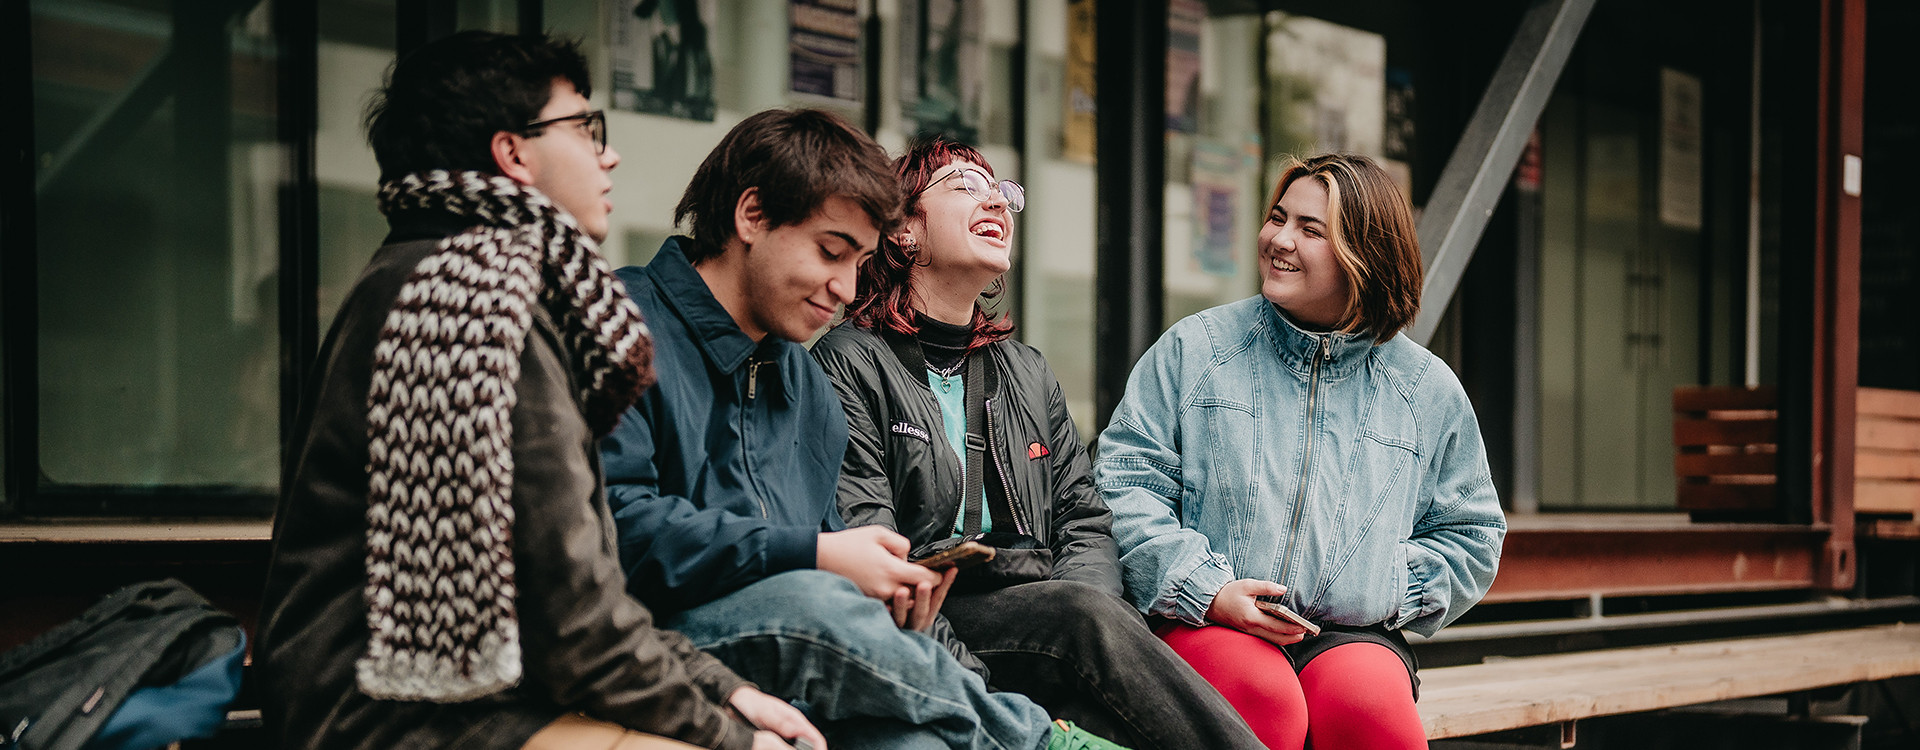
[
  {"x": 157, "y": 182},
  {"x": 674, "y": 77},
  {"x": 1054, "y": 265},
  {"x": 1640, "y": 276},
  {"x": 1215, "y": 185},
  {"x": 355, "y": 49}
]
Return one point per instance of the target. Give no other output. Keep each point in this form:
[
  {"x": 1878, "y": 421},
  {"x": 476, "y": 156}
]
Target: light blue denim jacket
[{"x": 1246, "y": 447}]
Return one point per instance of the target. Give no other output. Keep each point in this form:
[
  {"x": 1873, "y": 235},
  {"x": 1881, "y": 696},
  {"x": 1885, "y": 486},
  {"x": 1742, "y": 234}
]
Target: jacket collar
[
  {"x": 721, "y": 341},
  {"x": 906, "y": 348},
  {"x": 425, "y": 224},
  {"x": 1344, "y": 353}
]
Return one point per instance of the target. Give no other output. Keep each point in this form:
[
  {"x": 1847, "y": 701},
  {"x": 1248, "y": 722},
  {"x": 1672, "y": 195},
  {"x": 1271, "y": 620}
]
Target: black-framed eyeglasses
[
  {"x": 596, "y": 122},
  {"x": 982, "y": 187}
]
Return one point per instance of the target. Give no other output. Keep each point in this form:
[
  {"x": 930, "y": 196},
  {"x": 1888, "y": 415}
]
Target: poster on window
[
  {"x": 1184, "y": 18},
  {"x": 824, "y": 49},
  {"x": 1679, "y": 149},
  {"x": 1219, "y": 211},
  {"x": 1326, "y": 88},
  {"x": 1077, "y": 123},
  {"x": 661, "y": 57},
  {"x": 942, "y": 58}
]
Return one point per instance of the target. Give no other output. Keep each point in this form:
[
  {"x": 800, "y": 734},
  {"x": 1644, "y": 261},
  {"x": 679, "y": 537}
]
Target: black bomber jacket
[{"x": 900, "y": 472}]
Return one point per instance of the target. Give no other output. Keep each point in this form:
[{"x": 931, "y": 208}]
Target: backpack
[{"x": 151, "y": 664}]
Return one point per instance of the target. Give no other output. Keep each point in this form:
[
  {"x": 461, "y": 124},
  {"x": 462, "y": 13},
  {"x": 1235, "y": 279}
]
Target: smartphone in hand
[
  {"x": 1272, "y": 606},
  {"x": 963, "y": 555}
]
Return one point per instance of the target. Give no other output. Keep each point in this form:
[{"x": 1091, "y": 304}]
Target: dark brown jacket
[{"x": 586, "y": 645}]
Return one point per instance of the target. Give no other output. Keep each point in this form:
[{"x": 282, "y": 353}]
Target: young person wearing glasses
[
  {"x": 958, "y": 433},
  {"x": 1293, "y": 445},
  {"x": 442, "y": 574}
]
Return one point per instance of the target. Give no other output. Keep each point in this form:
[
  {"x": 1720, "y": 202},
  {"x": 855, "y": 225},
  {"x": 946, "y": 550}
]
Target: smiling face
[
  {"x": 958, "y": 235},
  {"x": 1301, "y": 270},
  {"x": 794, "y": 278},
  {"x": 561, "y": 161}
]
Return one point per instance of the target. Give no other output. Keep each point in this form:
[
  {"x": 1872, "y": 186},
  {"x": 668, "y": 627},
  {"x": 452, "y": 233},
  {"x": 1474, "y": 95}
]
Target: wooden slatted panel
[
  {"x": 1687, "y": 432},
  {"x": 1697, "y": 399},
  {"x": 1886, "y": 464},
  {"x": 1888, "y": 403},
  {"x": 1543, "y": 690},
  {"x": 1883, "y": 496},
  {"x": 1724, "y": 453},
  {"x": 1714, "y": 464}
]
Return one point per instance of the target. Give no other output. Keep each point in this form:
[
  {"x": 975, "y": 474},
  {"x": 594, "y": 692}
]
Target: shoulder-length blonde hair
[{"x": 1371, "y": 225}]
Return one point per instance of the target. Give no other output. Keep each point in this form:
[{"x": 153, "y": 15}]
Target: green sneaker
[{"x": 1066, "y": 736}]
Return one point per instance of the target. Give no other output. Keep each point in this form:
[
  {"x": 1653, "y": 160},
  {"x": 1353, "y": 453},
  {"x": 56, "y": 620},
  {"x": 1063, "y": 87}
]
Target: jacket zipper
[
  {"x": 1006, "y": 479},
  {"x": 753, "y": 388},
  {"x": 1306, "y": 463}
]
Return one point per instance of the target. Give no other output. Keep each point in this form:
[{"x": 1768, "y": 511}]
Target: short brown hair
[
  {"x": 1371, "y": 225},
  {"x": 797, "y": 159}
]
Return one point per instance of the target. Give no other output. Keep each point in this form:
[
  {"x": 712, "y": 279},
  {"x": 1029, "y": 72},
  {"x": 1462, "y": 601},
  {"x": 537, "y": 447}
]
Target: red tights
[{"x": 1352, "y": 697}]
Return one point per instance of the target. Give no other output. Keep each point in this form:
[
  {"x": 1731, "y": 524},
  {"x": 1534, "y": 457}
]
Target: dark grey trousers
[{"x": 1088, "y": 657}]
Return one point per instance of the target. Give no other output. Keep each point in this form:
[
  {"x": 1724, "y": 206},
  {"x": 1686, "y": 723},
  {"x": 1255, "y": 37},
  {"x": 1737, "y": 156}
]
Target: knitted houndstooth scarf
[{"x": 440, "y": 579}]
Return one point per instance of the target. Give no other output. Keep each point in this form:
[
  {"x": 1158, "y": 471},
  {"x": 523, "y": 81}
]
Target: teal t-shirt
[{"x": 953, "y": 413}]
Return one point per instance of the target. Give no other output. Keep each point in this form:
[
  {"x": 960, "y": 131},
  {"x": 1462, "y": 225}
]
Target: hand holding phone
[
  {"x": 1272, "y": 606},
  {"x": 962, "y": 555}
]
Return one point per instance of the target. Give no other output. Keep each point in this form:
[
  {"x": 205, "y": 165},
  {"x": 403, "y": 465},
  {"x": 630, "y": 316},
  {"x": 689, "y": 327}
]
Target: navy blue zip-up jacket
[{"x": 725, "y": 472}]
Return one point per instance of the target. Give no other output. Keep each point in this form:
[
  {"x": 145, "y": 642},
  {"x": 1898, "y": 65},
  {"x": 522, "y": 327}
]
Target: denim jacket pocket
[
  {"x": 1367, "y": 577},
  {"x": 1231, "y": 440}
]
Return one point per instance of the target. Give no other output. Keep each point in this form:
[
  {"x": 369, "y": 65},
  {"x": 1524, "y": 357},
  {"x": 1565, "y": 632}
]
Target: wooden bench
[
  {"x": 1886, "y": 464},
  {"x": 1561, "y": 688},
  {"x": 1725, "y": 450}
]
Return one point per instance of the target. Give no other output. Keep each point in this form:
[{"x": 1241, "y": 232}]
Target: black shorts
[{"x": 1339, "y": 635}]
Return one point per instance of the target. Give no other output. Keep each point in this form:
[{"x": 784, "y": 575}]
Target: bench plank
[
  {"x": 1689, "y": 432},
  {"x": 1542, "y": 690},
  {"x": 1885, "y": 496},
  {"x": 1696, "y": 398},
  {"x": 1888, "y": 403},
  {"x": 1725, "y": 496},
  {"x": 1880, "y": 433},
  {"x": 1731, "y": 464},
  {"x": 1872, "y": 464},
  {"x": 1888, "y": 529}
]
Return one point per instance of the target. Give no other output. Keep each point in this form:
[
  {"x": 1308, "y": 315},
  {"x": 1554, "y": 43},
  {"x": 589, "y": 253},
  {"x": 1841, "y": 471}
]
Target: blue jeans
[{"x": 812, "y": 637}]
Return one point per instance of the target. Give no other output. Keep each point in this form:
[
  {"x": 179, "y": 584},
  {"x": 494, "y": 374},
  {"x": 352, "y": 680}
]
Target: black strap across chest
[{"x": 976, "y": 449}]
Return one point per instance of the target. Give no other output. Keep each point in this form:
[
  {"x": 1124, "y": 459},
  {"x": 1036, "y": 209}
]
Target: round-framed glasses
[{"x": 982, "y": 187}]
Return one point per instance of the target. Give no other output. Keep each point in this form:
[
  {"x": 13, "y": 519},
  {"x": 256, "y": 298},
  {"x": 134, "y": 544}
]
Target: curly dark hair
[
  {"x": 885, "y": 296},
  {"x": 443, "y": 103}
]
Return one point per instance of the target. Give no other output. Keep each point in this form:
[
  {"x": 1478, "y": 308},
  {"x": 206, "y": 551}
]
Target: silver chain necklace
[{"x": 946, "y": 375}]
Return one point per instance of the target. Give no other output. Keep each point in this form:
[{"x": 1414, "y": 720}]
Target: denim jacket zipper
[
  {"x": 753, "y": 388},
  {"x": 1306, "y": 462}
]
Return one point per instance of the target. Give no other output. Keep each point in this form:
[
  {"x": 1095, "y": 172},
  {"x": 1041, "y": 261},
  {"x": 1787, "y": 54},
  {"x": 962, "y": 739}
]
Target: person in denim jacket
[{"x": 1292, "y": 446}]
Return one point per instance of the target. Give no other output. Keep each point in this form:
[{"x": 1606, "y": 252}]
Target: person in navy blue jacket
[{"x": 722, "y": 478}]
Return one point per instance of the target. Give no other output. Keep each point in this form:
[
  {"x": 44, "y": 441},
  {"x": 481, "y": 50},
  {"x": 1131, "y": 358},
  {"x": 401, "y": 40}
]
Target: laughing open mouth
[{"x": 990, "y": 229}]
